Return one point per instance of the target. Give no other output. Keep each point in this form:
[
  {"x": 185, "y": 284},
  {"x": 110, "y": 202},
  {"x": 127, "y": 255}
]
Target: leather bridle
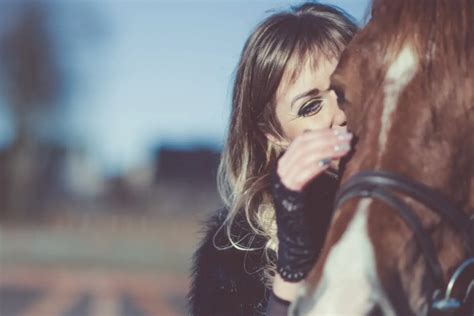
[{"x": 386, "y": 187}]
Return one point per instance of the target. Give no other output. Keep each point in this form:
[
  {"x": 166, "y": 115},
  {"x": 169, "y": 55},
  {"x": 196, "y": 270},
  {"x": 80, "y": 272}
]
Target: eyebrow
[{"x": 314, "y": 91}]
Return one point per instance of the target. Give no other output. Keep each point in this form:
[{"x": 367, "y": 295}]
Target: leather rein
[{"x": 384, "y": 186}]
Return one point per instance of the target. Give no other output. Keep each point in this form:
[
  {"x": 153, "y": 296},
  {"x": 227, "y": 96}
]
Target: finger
[
  {"x": 329, "y": 147},
  {"x": 323, "y": 132},
  {"x": 315, "y": 161},
  {"x": 298, "y": 180},
  {"x": 319, "y": 159},
  {"x": 309, "y": 135},
  {"x": 301, "y": 147},
  {"x": 291, "y": 172},
  {"x": 314, "y": 139}
]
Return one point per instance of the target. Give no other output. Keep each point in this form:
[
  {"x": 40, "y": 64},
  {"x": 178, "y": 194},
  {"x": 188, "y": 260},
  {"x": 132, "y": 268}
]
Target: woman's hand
[
  {"x": 310, "y": 154},
  {"x": 306, "y": 157}
]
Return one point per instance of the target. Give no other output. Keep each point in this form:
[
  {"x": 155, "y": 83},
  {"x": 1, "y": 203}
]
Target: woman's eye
[{"x": 310, "y": 108}]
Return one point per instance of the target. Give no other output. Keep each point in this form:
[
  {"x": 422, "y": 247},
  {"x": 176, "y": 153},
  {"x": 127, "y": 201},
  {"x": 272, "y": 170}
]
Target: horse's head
[{"x": 406, "y": 83}]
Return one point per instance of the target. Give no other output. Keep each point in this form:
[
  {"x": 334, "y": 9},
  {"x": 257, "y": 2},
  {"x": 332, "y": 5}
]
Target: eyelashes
[{"x": 311, "y": 107}]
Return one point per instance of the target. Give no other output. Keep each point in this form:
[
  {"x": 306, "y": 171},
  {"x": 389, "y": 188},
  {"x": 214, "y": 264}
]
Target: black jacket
[
  {"x": 220, "y": 283},
  {"x": 230, "y": 282}
]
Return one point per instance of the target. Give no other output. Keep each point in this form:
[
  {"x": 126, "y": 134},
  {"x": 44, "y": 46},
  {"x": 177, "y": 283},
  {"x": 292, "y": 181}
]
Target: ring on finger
[{"x": 324, "y": 162}]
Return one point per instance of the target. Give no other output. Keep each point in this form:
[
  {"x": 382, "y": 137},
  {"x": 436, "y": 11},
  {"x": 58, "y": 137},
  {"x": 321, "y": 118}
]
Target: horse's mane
[{"x": 442, "y": 34}]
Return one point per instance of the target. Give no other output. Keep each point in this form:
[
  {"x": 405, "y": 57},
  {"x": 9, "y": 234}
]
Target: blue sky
[{"x": 157, "y": 71}]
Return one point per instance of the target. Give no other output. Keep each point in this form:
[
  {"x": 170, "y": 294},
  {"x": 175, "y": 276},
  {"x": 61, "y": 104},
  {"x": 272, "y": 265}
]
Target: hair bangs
[{"x": 311, "y": 50}]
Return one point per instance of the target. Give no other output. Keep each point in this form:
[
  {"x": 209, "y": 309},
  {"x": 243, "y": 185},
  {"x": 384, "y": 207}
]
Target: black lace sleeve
[{"x": 302, "y": 221}]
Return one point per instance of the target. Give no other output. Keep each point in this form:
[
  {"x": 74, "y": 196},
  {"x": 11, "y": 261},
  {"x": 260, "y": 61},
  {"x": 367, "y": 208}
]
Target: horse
[{"x": 402, "y": 235}]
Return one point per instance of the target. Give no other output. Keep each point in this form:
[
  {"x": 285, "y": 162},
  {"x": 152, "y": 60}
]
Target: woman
[{"x": 284, "y": 143}]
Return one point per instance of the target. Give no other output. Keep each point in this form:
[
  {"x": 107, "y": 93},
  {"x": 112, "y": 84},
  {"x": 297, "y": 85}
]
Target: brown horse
[{"x": 406, "y": 83}]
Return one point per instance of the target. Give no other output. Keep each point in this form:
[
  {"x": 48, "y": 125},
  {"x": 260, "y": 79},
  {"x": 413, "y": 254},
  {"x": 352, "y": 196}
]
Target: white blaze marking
[
  {"x": 400, "y": 73},
  {"x": 349, "y": 285}
]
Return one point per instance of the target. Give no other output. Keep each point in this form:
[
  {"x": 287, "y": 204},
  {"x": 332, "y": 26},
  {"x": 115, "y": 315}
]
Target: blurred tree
[{"x": 32, "y": 83}]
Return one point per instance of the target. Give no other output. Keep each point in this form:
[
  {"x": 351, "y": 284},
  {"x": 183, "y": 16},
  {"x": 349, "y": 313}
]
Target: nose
[{"x": 339, "y": 117}]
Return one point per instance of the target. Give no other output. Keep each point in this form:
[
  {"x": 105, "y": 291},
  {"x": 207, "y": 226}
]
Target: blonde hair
[{"x": 287, "y": 39}]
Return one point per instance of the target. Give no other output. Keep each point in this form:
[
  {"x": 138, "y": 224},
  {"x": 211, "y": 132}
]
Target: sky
[{"x": 154, "y": 72}]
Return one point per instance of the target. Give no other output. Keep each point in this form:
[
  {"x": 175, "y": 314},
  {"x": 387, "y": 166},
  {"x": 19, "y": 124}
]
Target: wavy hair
[{"x": 281, "y": 43}]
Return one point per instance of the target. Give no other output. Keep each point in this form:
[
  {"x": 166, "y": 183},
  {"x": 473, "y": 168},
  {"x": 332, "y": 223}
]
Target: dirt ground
[{"x": 97, "y": 267}]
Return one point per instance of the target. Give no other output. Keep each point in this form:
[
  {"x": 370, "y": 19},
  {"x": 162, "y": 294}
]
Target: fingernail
[
  {"x": 345, "y": 136},
  {"x": 342, "y": 147},
  {"x": 324, "y": 162}
]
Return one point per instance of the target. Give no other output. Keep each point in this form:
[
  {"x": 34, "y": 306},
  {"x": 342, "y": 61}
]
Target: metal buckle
[
  {"x": 445, "y": 304},
  {"x": 448, "y": 303}
]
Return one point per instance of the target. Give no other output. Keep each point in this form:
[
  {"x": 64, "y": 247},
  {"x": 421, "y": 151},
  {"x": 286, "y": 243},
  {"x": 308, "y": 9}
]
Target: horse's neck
[{"x": 470, "y": 206}]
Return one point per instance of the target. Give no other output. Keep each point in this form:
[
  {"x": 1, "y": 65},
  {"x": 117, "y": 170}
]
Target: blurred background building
[{"x": 112, "y": 118}]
